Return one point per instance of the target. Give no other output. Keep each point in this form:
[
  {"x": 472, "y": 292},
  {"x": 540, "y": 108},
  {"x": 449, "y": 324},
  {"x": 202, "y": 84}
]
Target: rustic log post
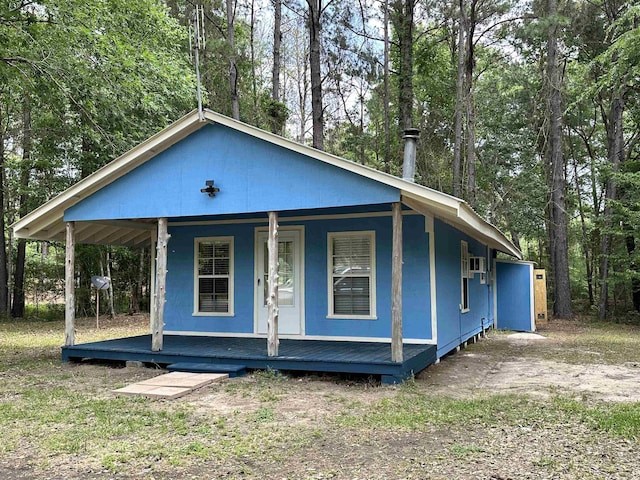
[
  {"x": 152, "y": 280},
  {"x": 69, "y": 286},
  {"x": 161, "y": 280},
  {"x": 272, "y": 300},
  {"x": 396, "y": 285}
]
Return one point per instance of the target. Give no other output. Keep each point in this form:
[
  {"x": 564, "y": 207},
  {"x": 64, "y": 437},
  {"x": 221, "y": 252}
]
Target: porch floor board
[{"x": 301, "y": 355}]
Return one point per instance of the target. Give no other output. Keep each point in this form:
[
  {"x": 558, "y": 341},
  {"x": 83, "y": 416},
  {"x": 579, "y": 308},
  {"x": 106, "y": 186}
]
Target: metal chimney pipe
[{"x": 410, "y": 138}]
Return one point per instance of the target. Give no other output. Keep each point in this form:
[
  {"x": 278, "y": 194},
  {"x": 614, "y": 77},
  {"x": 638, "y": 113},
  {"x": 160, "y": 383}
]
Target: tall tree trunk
[
  {"x": 4, "y": 271},
  {"x": 615, "y": 154},
  {"x": 515, "y": 239},
  {"x": 317, "y": 112},
  {"x": 585, "y": 237},
  {"x": 17, "y": 309},
  {"x": 559, "y": 225},
  {"x": 276, "y": 122},
  {"x": 277, "y": 40},
  {"x": 233, "y": 67},
  {"x": 402, "y": 19},
  {"x": 469, "y": 66},
  {"x": 387, "y": 92},
  {"x": 303, "y": 94},
  {"x": 460, "y": 102},
  {"x": 254, "y": 82},
  {"x": 361, "y": 126}
]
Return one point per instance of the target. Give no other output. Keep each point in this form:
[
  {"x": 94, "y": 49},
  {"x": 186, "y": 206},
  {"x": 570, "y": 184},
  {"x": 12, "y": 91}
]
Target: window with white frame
[
  {"x": 351, "y": 262},
  {"x": 464, "y": 275},
  {"x": 213, "y": 276}
]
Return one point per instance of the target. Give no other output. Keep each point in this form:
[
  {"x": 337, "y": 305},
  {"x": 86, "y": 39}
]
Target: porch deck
[{"x": 370, "y": 358}]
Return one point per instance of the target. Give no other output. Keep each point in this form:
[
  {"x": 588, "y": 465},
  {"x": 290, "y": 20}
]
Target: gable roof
[{"x": 47, "y": 221}]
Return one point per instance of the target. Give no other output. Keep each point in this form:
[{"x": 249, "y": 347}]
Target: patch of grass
[
  {"x": 27, "y": 343},
  {"x": 415, "y": 411},
  {"x": 611, "y": 344},
  {"x": 577, "y": 342},
  {"x": 466, "y": 451},
  {"x": 47, "y": 312},
  {"x": 545, "y": 462},
  {"x": 621, "y": 419},
  {"x": 122, "y": 432},
  {"x": 269, "y": 375},
  {"x": 264, "y": 414},
  {"x": 50, "y": 411},
  {"x": 268, "y": 386}
]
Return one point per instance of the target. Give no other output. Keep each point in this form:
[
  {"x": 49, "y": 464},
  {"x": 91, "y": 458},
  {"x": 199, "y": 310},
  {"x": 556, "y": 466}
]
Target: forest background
[{"x": 529, "y": 110}]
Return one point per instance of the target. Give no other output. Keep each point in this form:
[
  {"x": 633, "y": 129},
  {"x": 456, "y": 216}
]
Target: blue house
[{"x": 272, "y": 253}]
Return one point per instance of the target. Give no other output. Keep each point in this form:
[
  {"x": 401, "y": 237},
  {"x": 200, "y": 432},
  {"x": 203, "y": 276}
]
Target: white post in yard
[
  {"x": 272, "y": 300},
  {"x": 396, "y": 285},
  {"x": 69, "y": 286},
  {"x": 161, "y": 280}
]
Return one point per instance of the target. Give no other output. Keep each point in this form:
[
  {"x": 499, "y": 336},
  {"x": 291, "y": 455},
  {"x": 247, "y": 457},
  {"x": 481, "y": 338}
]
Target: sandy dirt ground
[{"x": 498, "y": 366}]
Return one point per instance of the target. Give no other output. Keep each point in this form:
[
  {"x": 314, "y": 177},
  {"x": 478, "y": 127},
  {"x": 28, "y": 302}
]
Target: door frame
[{"x": 257, "y": 270}]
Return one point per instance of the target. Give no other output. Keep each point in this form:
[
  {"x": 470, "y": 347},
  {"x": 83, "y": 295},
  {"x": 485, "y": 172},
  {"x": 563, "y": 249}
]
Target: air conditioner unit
[{"x": 477, "y": 265}]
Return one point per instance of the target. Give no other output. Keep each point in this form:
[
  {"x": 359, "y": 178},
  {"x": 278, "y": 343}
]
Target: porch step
[{"x": 232, "y": 370}]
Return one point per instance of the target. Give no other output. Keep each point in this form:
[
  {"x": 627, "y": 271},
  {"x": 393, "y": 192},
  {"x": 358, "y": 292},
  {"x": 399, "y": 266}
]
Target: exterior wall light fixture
[{"x": 210, "y": 189}]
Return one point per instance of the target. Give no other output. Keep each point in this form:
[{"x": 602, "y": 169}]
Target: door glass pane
[
  {"x": 286, "y": 273},
  {"x": 265, "y": 274}
]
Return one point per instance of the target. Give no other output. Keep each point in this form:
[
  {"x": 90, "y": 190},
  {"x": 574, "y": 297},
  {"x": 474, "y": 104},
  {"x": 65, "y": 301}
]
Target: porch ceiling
[{"x": 113, "y": 232}]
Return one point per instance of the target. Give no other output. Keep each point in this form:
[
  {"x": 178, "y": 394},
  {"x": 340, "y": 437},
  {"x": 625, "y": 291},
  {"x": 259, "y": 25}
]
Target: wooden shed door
[{"x": 289, "y": 283}]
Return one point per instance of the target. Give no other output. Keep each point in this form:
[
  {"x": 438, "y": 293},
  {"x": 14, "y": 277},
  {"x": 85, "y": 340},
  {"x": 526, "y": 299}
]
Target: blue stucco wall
[
  {"x": 416, "y": 288},
  {"x": 514, "y": 289},
  {"x": 253, "y": 176},
  {"x": 455, "y": 327}
]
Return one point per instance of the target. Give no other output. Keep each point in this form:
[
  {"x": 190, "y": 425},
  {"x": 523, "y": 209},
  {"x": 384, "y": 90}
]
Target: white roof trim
[{"x": 46, "y": 222}]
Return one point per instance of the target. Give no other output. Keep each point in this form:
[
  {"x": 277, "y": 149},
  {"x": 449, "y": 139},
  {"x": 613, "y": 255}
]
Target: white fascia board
[
  {"x": 462, "y": 217},
  {"x": 53, "y": 210},
  {"x": 429, "y": 208},
  {"x": 490, "y": 232}
]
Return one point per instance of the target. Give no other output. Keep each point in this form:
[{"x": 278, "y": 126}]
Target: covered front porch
[{"x": 369, "y": 358}]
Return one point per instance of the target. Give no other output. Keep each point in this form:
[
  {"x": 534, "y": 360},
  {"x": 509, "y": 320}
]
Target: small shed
[{"x": 514, "y": 296}]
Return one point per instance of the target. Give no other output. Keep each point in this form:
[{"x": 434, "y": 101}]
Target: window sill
[
  {"x": 465, "y": 310},
  {"x": 352, "y": 317},
  {"x": 213, "y": 314}
]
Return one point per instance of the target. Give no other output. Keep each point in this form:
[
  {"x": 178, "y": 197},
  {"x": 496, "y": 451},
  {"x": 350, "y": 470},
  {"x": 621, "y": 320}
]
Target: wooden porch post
[
  {"x": 69, "y": 286},
  {"x": 396, "y": 285},
  {"x": 160, "y": 286},
  {"x": 272, "y": 300},
  {"x": 152, "y": 280}
]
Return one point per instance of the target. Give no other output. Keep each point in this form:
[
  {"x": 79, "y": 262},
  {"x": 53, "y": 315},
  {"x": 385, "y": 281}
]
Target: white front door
[{"x": 290, "y": 281}]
